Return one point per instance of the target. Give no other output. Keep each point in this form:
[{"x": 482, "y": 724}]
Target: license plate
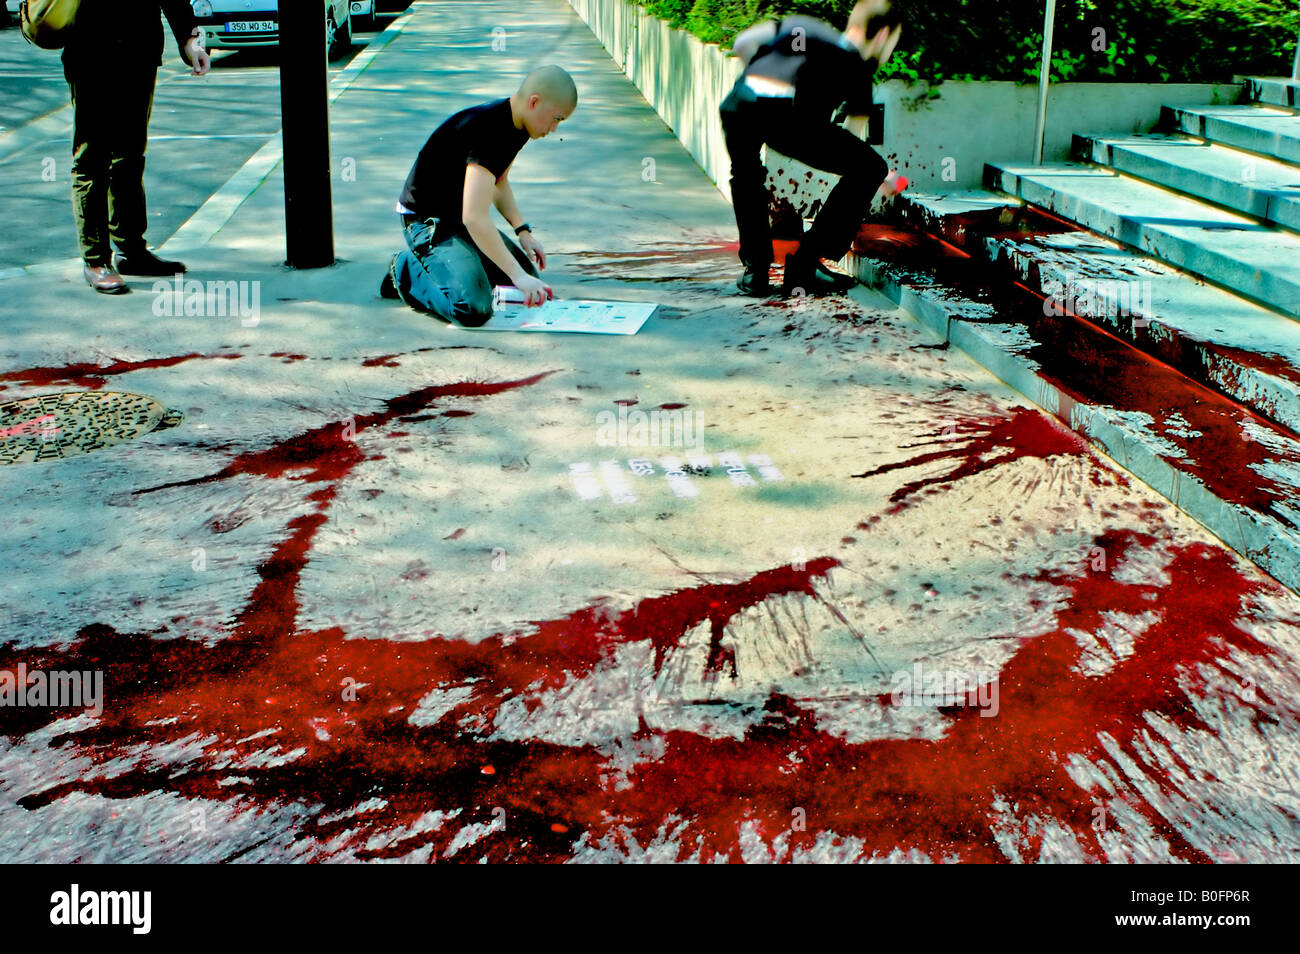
[{"x": 251, "y": 26}]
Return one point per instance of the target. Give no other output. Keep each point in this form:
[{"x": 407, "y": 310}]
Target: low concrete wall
[
  {"x": 684, "y": 79},
  {"x": 940, "y": 143}
]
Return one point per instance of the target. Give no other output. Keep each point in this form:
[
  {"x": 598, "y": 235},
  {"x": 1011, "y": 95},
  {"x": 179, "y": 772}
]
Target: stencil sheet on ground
[{"x": 584, "y": 317}]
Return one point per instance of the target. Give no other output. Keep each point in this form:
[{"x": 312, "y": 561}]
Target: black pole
[{"x": 304, "y": 112}]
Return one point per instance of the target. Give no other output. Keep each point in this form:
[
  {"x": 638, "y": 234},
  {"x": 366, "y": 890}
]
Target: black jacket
[{"x": 119, "y": 34}]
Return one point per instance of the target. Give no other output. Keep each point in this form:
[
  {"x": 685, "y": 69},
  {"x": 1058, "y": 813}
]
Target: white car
[
  {"x": 363, "y": 14},
  {"x": 236, "y": 24}
]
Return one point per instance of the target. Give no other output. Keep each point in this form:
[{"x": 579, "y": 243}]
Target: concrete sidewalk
[{"x": 387, "y": 592}]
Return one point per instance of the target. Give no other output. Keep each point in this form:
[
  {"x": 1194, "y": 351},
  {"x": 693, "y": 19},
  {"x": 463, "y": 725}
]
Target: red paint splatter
[
  {"x": 976, "y": 445},
  {"x": 936, "y": 796},
  {"x": 1231, "y": 450},
  {"x": 381, "y": 361},
  {"x": 91, "y": 376},
  {"x": 330, "y": 453},
  {"x": 271, "y": 688},
  {"x": 1216, "y": 365}
]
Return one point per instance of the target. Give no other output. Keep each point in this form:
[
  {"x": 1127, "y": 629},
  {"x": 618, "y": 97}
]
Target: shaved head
[
  {"x": 552, "y": 84},
  {"x": 544, "y": 99}
]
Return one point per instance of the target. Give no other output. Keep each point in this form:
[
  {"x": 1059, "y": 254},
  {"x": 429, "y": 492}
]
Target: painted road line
[{"x": 211, "y": 217}]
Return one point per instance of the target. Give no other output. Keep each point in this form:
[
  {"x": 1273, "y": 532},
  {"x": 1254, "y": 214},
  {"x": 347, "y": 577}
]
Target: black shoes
[
  {"x": 803, "y": 279},
  {"x": 755, "y": 283},
  {"x": 145, "y": 262},
  {"x": 388, "y": 287}
]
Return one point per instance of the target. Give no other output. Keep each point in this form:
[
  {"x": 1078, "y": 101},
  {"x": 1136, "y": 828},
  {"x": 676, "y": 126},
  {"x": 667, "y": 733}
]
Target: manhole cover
[{"x": 53, "y": 426}]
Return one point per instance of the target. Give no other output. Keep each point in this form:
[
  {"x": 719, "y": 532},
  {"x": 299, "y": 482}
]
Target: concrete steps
[
  {"x": 1148, "y": 296},
  {"x": 1233, "y": 250},
  {"x": 1272, "y": 91},
  {"x": 1243, "y": 182},
  {"x": 1245, "y": 351},
  {"x": 1268, "y": 130},
  {"x": 1233, "y": 471}
]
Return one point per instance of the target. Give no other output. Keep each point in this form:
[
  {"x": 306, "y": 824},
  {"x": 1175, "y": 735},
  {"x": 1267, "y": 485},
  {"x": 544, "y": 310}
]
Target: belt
[{"x": 762, "y": 86}]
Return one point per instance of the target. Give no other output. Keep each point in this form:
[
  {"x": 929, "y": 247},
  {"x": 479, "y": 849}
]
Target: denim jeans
[{"x": 443, "y": 272}]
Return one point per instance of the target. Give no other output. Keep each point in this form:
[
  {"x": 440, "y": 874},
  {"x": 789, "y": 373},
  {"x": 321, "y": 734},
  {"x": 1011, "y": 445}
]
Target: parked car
[
  {"x": 363, "y": 14},
  {"x": 236, "y": 24}
]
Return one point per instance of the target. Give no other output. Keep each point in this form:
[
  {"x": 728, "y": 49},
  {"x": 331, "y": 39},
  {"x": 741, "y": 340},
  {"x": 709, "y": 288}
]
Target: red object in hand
[{"x": 893, "y": 184}]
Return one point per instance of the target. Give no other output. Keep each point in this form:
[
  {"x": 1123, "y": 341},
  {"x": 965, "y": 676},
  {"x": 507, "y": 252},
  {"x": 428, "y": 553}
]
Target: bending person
[{"x": 798, "y": 71}]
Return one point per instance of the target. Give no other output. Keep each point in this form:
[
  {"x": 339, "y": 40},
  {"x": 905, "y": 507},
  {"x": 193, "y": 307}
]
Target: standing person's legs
[
  {"x": 861, "y": 170},
  {"x": 92, "y": 110},
  {"x": 133, "y": 90},
  {"x": 443, "y": 275},
  {"x": 744, "y": 128}
]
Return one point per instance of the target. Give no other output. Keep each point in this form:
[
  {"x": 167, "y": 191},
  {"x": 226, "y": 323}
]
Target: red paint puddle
[
  {"x": 1228, "y": 448},
  {"x": 91, "y": 376},
  {"x": 939, "y": 797},
  {"x": 976, "y": 445},
  {"x": 1210, "y": 363},
  {"x": 783, "y": 249}
]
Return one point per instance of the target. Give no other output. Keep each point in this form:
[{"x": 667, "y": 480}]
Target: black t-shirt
[
  {"x": 484, "y": 135},
  {"x": 824, "y": 68}
]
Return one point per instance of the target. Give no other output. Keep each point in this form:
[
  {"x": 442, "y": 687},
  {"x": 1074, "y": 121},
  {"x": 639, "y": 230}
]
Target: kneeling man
[{"x": 454, "y": 254}]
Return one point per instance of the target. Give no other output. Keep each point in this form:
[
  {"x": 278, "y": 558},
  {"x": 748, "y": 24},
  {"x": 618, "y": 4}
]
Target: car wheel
[{"x": 338, "y": 39}]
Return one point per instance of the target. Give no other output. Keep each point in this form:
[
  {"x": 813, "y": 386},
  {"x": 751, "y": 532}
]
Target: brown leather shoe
[{"x": 105, "y": 279}]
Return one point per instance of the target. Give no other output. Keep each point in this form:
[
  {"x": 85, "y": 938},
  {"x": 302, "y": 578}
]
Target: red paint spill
[
  {"x": 91, "y": 376},
  {"x": 1234, "y": 452},
  {"x": 938, "y": 796},
  {"x": 343, "y": 706},
  {"x": 1218, "y": 366},
  {"x": 382, "y": 361},
  {"x": 330, "y": 453},
  {"x": 783, "y": 249},
  {"x": 976, "y": 445}
]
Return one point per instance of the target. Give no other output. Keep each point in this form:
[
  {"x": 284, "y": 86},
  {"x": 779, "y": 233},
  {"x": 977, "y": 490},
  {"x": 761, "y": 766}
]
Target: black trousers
[
  {"x": 111, "y": 113},
  {"x": 749, "y": 121}
]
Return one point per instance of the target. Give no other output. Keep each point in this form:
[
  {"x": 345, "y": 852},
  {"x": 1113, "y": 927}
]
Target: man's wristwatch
[{"x": 524, "y": 228}]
